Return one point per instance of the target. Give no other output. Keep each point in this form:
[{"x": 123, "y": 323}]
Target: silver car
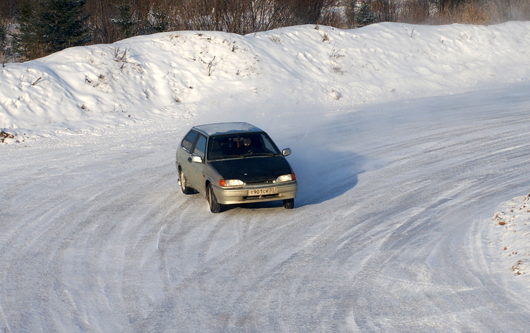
[{"x": 234, "y": 163}]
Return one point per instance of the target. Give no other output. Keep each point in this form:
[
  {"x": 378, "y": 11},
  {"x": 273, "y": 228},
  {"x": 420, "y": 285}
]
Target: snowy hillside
[
  {"x": 182, "y": 74},
  {"x": 409, "y": 143}
]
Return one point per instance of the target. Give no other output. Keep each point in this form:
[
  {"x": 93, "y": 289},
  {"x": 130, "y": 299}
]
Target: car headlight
[
  {"x": 285, "y": 178},
  {"x": 231, "y": 182}
]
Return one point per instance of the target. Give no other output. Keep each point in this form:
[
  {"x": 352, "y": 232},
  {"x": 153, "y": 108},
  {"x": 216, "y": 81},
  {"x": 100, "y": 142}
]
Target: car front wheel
[
  {"x": 288, "y": 203},
  {"x": 215, "y": 207}
]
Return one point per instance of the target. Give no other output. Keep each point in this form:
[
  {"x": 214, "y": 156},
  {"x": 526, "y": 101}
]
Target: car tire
[
  {"x": 288, "y": 203},
  {"x": 182, "y": 184},
  {"x": 215, "y": 207}
]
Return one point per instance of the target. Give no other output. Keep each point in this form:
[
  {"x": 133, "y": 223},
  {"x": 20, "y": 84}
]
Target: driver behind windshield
[{"x": 242, "y": 145}]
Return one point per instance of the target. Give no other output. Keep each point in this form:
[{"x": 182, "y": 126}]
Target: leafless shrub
[
  {"x": 469, "y": 13},
  {"x": 210, "y": 65},
  {"x": 336, "y": 54},
  {"x": 120, "y": 55},
  {"x": 5, "y": 135},
  {"x": 415, "y": 11},
  {"x": 93, "y": 82},
  {"x": 474, "y": 14},
  {"x": 36, "y": 81},
  {"x": 507, "y": 10},
  {"x": 275, "y": 39}
]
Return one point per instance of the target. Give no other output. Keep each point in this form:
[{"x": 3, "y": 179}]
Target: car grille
[{"x": 260, "y": 181}]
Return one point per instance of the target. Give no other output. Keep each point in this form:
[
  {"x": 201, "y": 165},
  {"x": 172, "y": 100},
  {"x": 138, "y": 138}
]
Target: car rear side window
[
  {"x": 200, "y": 146},
  {"x": 188, "y": 140}
]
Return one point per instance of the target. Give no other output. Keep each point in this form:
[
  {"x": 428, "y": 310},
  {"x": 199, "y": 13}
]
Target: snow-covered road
[{"x": 391, "y": 232}]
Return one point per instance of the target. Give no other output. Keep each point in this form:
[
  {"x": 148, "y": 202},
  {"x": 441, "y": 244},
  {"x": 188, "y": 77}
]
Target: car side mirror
[
  {"x": 196, "y": 159},
  {"x": 286, "y": 152}
]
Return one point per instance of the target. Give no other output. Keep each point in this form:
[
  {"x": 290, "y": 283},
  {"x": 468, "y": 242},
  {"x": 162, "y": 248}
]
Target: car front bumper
[{"x": 239, "y": 195}]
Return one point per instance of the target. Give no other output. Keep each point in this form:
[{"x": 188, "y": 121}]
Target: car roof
[{"x": 227, "y": 128}]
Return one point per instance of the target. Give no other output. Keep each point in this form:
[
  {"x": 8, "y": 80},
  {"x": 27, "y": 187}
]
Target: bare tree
[
  {"x": 8, "y": 9},
  {"x": 101, "y": 12},
  {"x": 247, "y": 16},
  {"x": 3, "y": 44},
  {"x": 415, "y": 11},
  {"x": 444, "y": 5},
  {"x": 505, "y": 10}
]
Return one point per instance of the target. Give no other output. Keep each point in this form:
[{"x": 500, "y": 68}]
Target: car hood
[{"x": 252, "y": 169}]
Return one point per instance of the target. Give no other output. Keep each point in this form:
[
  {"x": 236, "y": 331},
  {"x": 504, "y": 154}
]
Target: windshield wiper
[{"x": 258, "y": 155}]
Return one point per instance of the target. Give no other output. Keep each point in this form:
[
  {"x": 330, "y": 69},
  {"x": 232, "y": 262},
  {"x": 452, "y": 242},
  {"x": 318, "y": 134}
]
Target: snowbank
[
  {"x": 179, "y": 75},
  {"x": 513, "y": 231}
]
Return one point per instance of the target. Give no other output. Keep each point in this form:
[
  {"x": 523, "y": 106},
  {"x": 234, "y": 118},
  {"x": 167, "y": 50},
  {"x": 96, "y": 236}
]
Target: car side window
[
  {"x": 188, "y": 140},
  {"x": 200, "y": 146}
]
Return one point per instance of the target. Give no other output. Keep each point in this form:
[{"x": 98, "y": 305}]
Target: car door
[
  {"x": 184, "y": 153},
  {"x": 196, "y": 173}
]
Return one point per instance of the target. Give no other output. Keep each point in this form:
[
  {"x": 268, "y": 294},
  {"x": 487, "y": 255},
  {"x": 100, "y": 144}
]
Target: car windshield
[{"x": 240, "y": 145}]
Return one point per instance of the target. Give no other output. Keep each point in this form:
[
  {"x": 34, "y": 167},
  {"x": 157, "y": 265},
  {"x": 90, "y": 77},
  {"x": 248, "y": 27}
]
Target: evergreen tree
[
  {"x": 3, "y": 44},
  {"x": 449, "y": 4},
  {"x": 26, "y": 42},
  {"x": 62, "y": 24},
  {"x": 126, "y": 22},
  {"x": 157, "y": 21},
  {"x": 366, "y": 15},
  {"x": 3, "y": 37}
]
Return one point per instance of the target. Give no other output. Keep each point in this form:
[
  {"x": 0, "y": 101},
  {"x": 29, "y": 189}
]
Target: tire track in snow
[{"x": 112, "y": 246}]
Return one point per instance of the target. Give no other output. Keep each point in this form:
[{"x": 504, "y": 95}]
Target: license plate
[{"x": 263, "y": 191}]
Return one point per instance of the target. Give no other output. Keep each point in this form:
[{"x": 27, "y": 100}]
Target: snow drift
[{"x": 181, "y": 74}]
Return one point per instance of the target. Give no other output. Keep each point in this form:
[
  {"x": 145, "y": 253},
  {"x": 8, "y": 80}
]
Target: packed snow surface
[{"x": 410, "y": 145}]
